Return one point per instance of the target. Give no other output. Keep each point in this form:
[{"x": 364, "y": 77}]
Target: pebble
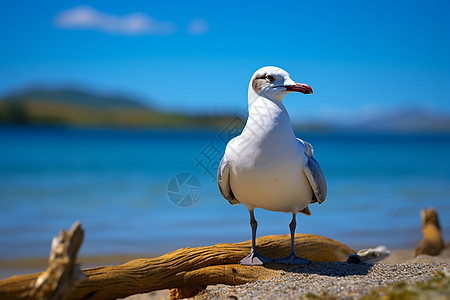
[{"x": 328, "y": 280}]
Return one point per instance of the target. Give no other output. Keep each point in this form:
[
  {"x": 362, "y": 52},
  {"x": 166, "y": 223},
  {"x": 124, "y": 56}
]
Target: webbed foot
[
  {"x": 292, "y": 259},
  {"x": 255, "y": 259}
]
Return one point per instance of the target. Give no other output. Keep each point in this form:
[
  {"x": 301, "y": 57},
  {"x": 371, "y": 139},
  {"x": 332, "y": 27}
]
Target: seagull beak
[{"x": 299, "y": 87}]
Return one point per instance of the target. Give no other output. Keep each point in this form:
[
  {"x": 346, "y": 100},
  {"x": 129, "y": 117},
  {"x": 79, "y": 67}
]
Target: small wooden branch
[
  {"x": 63, "y": 273},
  {"x": 188, "y": 269},
  {"x": 432, "y": 242}
]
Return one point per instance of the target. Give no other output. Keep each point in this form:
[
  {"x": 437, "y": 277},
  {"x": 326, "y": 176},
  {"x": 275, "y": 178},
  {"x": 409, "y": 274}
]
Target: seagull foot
[
  {"x": 292, "y": 259},
  {"x": 255, "y": 259}
]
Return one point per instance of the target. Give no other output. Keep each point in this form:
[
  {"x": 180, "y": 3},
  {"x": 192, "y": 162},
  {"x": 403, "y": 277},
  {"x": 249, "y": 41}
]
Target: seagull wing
[
  {"x": 314, "y": 173},
  {"x": 223, "y": 180}
]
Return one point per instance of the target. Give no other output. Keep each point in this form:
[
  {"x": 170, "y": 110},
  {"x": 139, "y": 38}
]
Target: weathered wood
[
  {"x": 432, "y": 242},
  {"x": 188, "y": 268},
  {"x": 63, "y": 273}
]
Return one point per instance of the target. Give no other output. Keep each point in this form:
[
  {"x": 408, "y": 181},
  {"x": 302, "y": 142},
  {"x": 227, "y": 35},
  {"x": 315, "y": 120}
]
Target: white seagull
[{"x": 267, "y": 166}]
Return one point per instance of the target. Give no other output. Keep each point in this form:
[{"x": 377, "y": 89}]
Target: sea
[{"x": 153, "y": 191}]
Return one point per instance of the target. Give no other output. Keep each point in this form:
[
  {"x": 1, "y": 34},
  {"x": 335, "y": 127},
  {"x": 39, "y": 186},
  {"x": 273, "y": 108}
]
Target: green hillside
[{"x": 70, "y": 107}]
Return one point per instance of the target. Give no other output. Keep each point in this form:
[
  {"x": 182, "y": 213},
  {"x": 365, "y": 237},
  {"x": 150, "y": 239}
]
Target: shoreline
[{"x": 21, "y": 266}]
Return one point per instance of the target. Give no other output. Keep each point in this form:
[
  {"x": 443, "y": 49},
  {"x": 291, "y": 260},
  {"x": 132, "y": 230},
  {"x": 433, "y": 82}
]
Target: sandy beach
[
  {"x": 323, "y": 280},
  {"x": 329, "y": 280}
]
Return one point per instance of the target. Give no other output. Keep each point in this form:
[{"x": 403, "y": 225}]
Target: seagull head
[{"x": 275, "y": 83}]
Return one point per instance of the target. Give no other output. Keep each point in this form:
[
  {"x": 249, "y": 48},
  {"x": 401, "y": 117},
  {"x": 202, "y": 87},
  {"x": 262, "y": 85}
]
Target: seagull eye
[{"x": 270, "y": 78}]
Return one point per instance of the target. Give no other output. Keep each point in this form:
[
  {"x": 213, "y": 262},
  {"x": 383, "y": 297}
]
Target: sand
[{"x": 330, "y": 280}]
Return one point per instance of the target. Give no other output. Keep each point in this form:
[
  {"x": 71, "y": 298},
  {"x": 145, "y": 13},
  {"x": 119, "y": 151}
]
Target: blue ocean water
[{"x": 116, "y": 183}]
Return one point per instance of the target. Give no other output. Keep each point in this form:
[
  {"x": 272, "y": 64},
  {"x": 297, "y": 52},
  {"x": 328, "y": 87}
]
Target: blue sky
[{"x": 359, "y": 57}]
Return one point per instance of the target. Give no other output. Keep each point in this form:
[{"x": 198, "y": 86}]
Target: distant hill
[
  {"x": 75, "y": 97},
  {"x": 72, "y": 107},
  {"x": 405, "y": 120}
]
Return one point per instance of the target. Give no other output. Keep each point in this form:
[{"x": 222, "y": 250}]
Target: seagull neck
[
  {"x": 263, "y": 106},
  {"x": 268, "y": 115}
]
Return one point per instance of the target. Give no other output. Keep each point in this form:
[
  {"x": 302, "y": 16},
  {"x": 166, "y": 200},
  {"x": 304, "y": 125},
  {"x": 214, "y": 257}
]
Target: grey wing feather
[
  {"x": 314, "y": 173},
  {"x": 316, "y": 179},
  {"x": 307, "y": 147},
  {"x": 223, "y": 180}
]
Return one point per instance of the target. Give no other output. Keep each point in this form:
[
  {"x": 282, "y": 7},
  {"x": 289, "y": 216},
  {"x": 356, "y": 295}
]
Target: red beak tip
[{"x": 300, "y": 87}]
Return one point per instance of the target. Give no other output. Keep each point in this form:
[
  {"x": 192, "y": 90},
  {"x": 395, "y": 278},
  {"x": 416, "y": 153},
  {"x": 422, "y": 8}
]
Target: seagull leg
[
  {"x": 292, "y": 258},
  {"x": 254, "y": 258}
]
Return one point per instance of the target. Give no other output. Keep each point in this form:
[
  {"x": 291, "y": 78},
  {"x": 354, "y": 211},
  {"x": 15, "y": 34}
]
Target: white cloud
[
  {"x": 86, "y": 17},
  {"x": 198, "y": 27}
]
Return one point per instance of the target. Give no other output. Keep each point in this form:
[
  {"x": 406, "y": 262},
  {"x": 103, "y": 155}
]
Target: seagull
[{"x": 267, "y": 166}]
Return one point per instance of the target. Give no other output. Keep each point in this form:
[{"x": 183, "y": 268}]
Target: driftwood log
[{"x": 189, "y": 270}]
